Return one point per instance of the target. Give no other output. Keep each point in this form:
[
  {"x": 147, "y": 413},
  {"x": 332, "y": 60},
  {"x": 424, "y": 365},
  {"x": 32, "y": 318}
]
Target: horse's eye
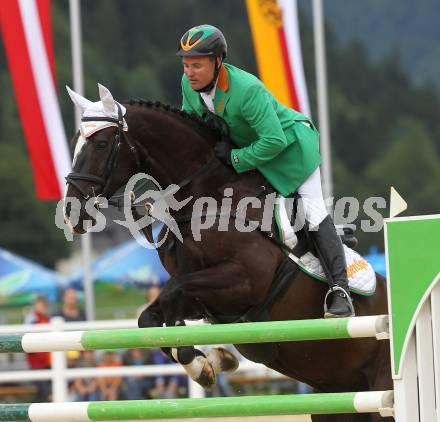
[{"x": 101, "y": 144}]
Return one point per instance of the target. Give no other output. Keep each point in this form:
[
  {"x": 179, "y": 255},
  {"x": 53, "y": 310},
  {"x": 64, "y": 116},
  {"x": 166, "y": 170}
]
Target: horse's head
[{"x": 104, "y": 157}]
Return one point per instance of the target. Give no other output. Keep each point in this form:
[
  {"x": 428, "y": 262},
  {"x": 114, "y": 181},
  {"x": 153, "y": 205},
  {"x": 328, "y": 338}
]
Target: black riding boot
[{"x": 331, "y": 252}]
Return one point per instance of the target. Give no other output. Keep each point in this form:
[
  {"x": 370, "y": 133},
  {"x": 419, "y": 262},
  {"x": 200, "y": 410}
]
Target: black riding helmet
[{"x": 204, "y": 40}]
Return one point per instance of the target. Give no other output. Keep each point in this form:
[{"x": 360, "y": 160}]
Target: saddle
[{"x": 361, "y": 275}]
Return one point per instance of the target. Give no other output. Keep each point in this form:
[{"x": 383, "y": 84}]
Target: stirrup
[{"x": 334, "y": 289}]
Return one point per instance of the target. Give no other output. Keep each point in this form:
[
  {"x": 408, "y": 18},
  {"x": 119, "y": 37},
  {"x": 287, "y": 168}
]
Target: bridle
[{"x": 104, "y": 181}]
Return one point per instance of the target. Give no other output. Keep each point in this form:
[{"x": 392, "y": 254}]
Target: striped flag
[
  {"x": 275, "y": 33},
  {"x": 27, "y": 35}
]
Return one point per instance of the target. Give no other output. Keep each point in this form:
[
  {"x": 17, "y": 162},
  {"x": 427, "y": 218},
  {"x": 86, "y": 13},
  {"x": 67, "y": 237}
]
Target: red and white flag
[{"x": 27, "y": 35}]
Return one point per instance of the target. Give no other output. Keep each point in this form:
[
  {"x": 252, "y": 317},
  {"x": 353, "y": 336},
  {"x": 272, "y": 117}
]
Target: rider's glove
[{"x": 222, "y": 151}]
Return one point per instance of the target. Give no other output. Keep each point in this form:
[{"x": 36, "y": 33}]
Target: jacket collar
[
  {"x": 222, "y": 91},
  {"x": 223, "y": 79}
]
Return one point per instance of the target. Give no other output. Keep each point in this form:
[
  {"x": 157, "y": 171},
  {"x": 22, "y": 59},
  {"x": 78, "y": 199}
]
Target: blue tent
[
  {"x": 21, "y": 279},
  {"x": 127, "y": 264},
  {"x": 377, "y": 260}
]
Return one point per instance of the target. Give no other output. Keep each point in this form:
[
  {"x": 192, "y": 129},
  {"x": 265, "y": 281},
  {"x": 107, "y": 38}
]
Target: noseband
[{"x": 104, "y": 181}]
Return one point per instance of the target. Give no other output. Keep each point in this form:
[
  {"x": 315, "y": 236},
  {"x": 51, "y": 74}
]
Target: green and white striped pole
[
  {"x": 255, "y": 332},
  {"x": 329, "y": 403}
]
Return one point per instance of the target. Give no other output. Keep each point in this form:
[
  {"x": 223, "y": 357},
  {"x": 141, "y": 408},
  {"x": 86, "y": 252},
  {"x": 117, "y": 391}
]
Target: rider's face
[{"x": 199, "y": 70}]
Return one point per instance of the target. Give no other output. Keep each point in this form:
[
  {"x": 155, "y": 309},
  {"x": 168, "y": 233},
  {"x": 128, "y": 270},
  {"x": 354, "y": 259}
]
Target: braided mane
[{"x": 211, "y": 123}]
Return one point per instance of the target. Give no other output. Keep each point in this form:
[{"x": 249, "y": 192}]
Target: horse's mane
[{"x": 208, "y": 124}]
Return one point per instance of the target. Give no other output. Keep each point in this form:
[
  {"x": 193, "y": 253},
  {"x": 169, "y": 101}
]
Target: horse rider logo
[{"x": 158, "y": 203}]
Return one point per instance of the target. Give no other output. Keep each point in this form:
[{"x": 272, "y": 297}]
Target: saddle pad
[{"x": 361, "y": 275}]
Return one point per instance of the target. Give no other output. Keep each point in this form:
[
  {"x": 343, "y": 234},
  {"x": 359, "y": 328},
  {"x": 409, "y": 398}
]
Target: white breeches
[{"x": 312, "y": 199}]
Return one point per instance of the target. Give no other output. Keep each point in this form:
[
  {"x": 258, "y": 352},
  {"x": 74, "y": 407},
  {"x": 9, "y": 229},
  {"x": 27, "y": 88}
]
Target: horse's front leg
[
  {"x": 152, "y": 316},
  {"x": 195, "y": 363},
  {"x": 193, "y": 360},
  {"x": 225, "y": 288}
]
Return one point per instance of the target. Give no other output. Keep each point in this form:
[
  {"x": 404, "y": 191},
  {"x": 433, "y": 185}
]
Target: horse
[{"x": 224, "y": 273}]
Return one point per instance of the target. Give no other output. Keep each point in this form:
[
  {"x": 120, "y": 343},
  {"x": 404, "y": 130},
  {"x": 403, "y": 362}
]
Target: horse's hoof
[
  {"x": 206, "y": 377},
  {"x": 222, "y": 360},
  {"x": 201, "y": 371}
]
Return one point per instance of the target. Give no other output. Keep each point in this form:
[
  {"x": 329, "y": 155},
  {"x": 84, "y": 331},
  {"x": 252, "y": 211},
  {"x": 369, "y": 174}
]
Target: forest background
[{"x": 383, "y": 62}]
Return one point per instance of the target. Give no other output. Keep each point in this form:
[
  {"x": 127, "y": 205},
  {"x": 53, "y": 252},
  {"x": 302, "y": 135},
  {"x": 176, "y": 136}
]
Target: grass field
[{"x": 112, "y": 302}]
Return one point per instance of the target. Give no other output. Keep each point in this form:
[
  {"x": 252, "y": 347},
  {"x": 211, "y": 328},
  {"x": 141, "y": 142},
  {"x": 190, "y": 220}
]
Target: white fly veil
[{"x": 107, "y": 107}]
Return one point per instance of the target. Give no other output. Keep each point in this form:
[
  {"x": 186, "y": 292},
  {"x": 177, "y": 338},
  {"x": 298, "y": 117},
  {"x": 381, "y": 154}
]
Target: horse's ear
[
  {"x": 107, "y": 99},
  {"x": 79, "y": 100}
]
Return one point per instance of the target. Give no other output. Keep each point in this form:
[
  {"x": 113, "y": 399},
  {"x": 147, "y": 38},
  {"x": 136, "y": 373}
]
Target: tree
[{"x": 26, "y": 224}]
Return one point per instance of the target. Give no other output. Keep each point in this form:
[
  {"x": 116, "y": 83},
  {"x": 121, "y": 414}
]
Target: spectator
[
  {"x": 160, "y": 386},
  {"x": 85, "y": 389},
  {"x": 40, "y": 360},
  {"x": 135, "y": 387},
  {"x": 151, "y": 294},
  {"x": 70, "y": 310},
  {"x": 222, "y": 387},
  {"x": 109, "y": 387},
  {"x": 164, "y": 387},
  {"x": 73, "y": 357}
]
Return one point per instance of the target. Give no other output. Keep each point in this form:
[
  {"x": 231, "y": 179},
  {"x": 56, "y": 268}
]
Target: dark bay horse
[{"x": 225, "y": 272}]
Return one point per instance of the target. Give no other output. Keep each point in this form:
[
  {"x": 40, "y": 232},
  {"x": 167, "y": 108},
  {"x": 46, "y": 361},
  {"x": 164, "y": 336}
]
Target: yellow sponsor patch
[{"x": 355, "y": 267}]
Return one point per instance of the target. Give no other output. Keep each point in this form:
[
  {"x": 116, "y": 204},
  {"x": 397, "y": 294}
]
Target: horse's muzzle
[{"x": 75, "y": 219}]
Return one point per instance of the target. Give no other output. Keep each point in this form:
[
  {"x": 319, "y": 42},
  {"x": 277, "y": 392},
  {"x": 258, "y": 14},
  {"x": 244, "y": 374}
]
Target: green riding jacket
[{"x": 279, "y": 142}]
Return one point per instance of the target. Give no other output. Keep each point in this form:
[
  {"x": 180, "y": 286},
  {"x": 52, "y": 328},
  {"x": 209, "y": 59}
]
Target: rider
[{"x": 280, "y": 142}]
